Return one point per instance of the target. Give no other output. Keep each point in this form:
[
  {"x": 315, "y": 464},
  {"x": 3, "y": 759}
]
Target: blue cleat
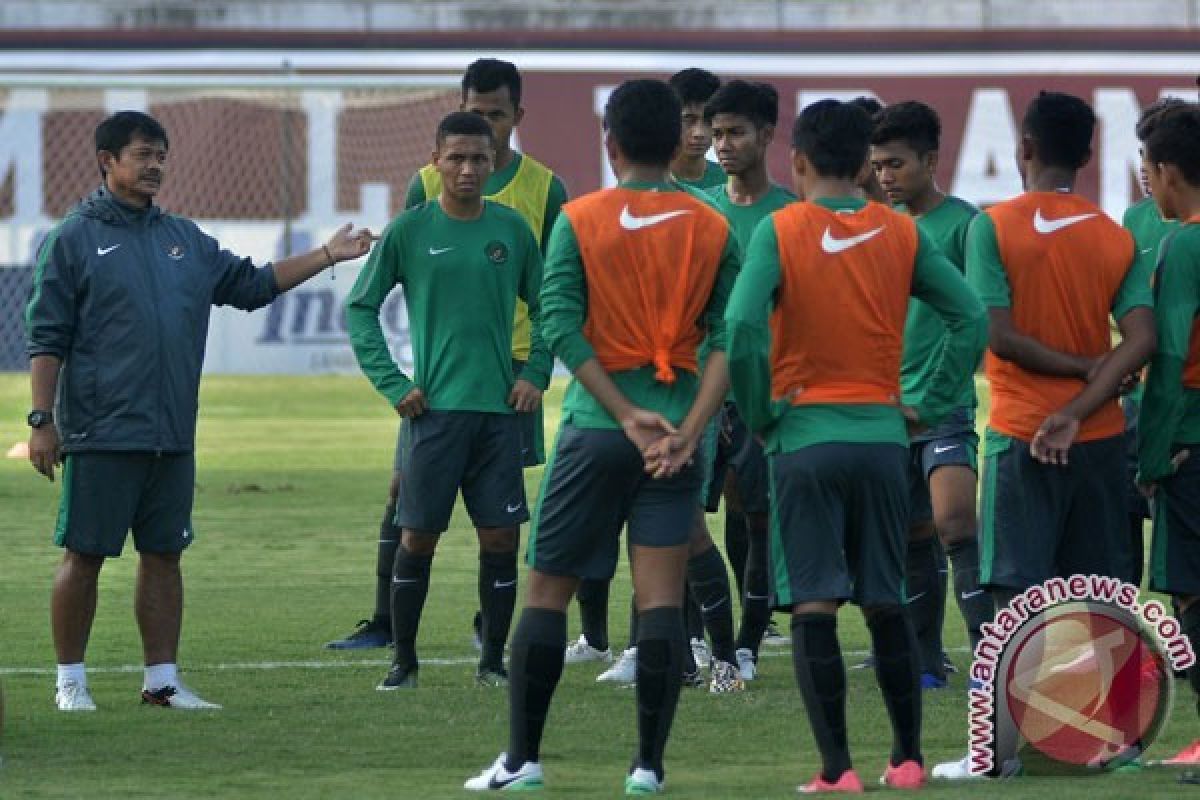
[
  {"x": 369, "y": 634},
  {"x": 931, "y": 681}
]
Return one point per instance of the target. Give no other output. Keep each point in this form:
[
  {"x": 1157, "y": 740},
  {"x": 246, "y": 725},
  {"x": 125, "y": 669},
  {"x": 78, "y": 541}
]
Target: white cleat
[
  {"x": 724, "y": 678},
  {"x": 955, "y": 770},
  {"x": 643, "y": 781},
  {"x": 74, "y": 696},
  {"x": 497, "y": 777},
  {"x": 624, "y": 671},
  {"x": 746, "y": 664},
  {"x": 581, "y": 652},
  {"x": 177, "y": 696},
  {"x": 700, "y": 653}
]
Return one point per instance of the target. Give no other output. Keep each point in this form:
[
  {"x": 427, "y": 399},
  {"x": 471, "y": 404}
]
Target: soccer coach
[{"x": 116, "y": 329}]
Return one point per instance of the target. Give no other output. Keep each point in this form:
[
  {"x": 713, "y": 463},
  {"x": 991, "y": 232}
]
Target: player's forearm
[
  {"x": 1033, "y": 356},
  {"x": 1159, "y": 417},
  {"x": 714, "y": 385},
  {"x": 43, "y": 380},
  {"x": 750, "y": 373},
  {"x": 1128, "y": 357},
  {"x": 374, "y": 358},
  {"x": 601, "y": 386}
]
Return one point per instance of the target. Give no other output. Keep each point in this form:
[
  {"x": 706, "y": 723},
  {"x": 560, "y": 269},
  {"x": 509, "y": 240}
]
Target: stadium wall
[{"x": 350, "y": 163}]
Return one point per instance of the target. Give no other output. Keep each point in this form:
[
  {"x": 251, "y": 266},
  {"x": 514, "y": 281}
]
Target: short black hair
[
  {"x": 694, "y": 85},
  {"x": 1148, "y": 119},
  {"x": 490, "y": 74},
  {"x": 644, "y": 116},
  {"x": 1176, "y": 140},
  {"x": 912, "y": 122},
  {"x": 1062, "y": 126},
  {"x": 463, "y": 123},
  {"x": 758, "y": 102},
  {"x": 867, "y": 104},
  {"x": 119, "y": 129},
  {"x": 834, "y": 136}
]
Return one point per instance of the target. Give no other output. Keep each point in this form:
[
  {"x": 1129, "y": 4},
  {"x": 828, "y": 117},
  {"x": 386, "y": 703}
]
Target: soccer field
[{"x": 292, "y": 474}]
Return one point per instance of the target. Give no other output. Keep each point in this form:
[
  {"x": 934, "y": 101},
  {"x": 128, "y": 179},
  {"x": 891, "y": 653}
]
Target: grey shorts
[
  {"x": 441, "y": 452},
  {"x": 951, "y": 445},
  {"x": 1040, "y": 521},
  {"x": 839, "y": 524},
  {"x": 595, "y": 485},
  {"x": 106, "y": 495}
]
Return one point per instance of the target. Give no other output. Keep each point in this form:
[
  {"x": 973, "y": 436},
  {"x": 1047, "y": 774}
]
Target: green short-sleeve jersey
[
  {"x": 1170, "y": 412},
  {"x": 946, "y": 226},
  {"x": 713, "y": 176},
  {"x": 461, "y": 281},
  {"x": 1146, "y": 223}
]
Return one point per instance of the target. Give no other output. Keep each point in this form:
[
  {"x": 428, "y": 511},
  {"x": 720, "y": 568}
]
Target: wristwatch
[{"x": 39, "y": 419}]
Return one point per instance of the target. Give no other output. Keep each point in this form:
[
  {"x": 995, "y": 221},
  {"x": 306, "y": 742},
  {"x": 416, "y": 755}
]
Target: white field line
[{"x": 253, "y": 666}]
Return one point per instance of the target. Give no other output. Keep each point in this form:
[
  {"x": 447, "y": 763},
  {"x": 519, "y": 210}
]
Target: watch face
[{"x": 37, "y": 419}]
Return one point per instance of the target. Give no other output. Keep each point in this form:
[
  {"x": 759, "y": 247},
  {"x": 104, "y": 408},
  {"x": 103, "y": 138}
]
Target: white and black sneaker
[
  {"x": 497, "y": 778},
  {"x": 746, "y": 663},
  {"x": 581, "y": 651},
  {"x": 624, "y": 671},
  {"x": 74, "y": 696},
  {"x": 177, "y": 696}
]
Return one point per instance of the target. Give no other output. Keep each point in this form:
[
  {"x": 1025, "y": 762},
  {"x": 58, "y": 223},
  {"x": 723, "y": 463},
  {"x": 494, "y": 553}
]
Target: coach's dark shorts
[
  {"x": 839, "y": 524},
  {"x": 105, "y": 495},
  {"x": 441, "y": 452},
  {"x": 738, "y": 451},
  {"x": 1175, "y": 548},
  {"x": 533, "y": 449},
  {"x": 953, "y": 443},
  {"x": 1039, "y": 521},
  {"x": 594, "y": 485}
]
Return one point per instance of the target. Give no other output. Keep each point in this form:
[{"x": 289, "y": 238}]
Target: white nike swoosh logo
[
  {"x": 103, "y": 251},
  {"x": 438, "y": 251},
  {"x": 708, "y": 609},
  {"x": 513, "y": 509},
  {"x": 508, "y": 585},
  {"x": 1043, "y": 225},
  {"x": 404, "y": 581},
  {"x": 917, "y": 597},
  {"x": 832, "y": 245},
  {"x": 946, "y": 449},
  {"x": 969, "y": 595},
  {"x": 631, "y": 223},
  {"x": 1147, "y": 250}
]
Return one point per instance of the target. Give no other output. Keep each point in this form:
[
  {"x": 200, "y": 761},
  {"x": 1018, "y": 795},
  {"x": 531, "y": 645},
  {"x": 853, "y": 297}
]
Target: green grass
[{"x": 292, "y": 474}]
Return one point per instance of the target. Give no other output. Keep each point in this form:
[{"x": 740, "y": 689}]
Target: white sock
[
  {"x": 160, "y": 675},
  {"x": 71, "y": 673}
]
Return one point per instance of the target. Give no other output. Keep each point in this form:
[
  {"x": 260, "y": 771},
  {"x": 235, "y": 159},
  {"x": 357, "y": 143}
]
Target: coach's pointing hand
[{"x": 347, "y": 244}]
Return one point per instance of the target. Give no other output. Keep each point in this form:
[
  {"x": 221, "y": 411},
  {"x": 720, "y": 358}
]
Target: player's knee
[
  {"x": 160, "y": 563},
  {"x": 921, "y": 531},
  {"x": 699, "y": 541},
  {"x": 419, "y": 544},
  {"x": 956, "y": 524},
  {"x": 883, "y": 614},
  {"x": 498, "y": 540}
]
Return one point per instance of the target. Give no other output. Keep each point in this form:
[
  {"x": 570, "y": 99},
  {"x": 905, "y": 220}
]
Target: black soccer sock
[
  {"x": 410, "y": 585},
  {"x": 389, "y": 540},
  {"x": 736, "y": 546},
  {"x": 756, "y": 611},
  {"x": 593, "y": 611},
  {"x": 709, "y": 583},
  {"x": 974, "y": 603},
  {"x": 693, "y": 617},
  {"x": 497, "y": 597},
  {"x": 659, "y": 666},
  {"x": 821, "y": 676},
  {"x": 898, "y": 672},
  {"x": 921, "y": 585},
  {"x": 1190, "y": 622},
  {"x": 538, "y": 646}
]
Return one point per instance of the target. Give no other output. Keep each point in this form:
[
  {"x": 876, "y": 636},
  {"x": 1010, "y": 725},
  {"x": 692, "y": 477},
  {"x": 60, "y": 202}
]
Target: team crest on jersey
[
  {"x": 496, "y": 251},
  {"x": 175, "y": 252}
]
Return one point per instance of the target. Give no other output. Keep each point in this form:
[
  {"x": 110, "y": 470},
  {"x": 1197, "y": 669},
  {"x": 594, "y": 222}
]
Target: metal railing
[{"x": 460, "y": 15}]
